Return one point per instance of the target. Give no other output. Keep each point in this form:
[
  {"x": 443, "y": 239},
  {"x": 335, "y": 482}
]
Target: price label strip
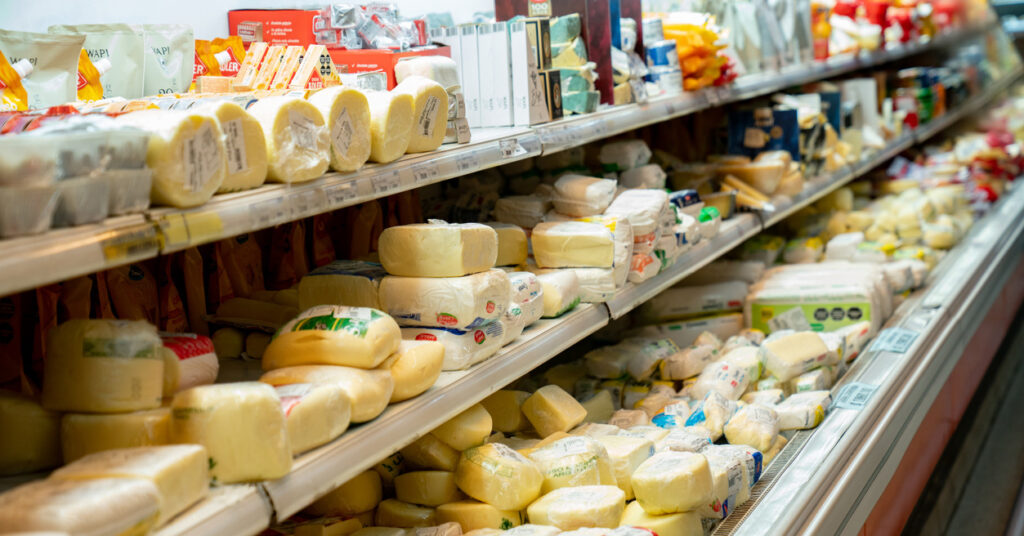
[
  {"x": 204, "y": 227},
  {"x": 130, "y": 243},
  {"x": 387, "y": 182},
  {"x": 854, "y": 396},
  {"x": 339, "y": 195},
  {"x": 308, "y": 203},
  {"x": 895, "y": 340},
  {"x": 467, "y": 162},
  {"x": 268, "y": 213},
  {"x": 511, "y": 148},
  {"x": 424, "y": 173},
  {"x": 173, "y": 231}
]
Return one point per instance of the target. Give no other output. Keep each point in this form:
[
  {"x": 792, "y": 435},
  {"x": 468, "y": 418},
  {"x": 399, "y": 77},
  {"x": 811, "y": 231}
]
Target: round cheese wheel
[
  {"x": 427, "y": 488},
  {"x": 414, "y": 367},
  {"x": 368, "y": 390},
  {"x": 499, "y": 476},
  {"x": 467, "y": 429},
  {"x": 334, "y": 335},
  {"x": 360, "y": 494}
]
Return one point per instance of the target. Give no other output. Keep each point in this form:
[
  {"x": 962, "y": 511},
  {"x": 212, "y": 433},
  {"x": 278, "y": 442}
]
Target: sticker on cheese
[
  {"x": 102, "y": 366},
  {"x": 245, "y": 148},
  {"x": 128, "y": 506},
  {"x": 680, "y": 524},
  {"x": 499, "y": 476},
  {"x": 561, "y": 292},
  {"x": 475, "y": 515},
  {"x": 315, "y": 414},
  {"x": 671, "y": 482},
  {"x": 391, "y": 124},
  {"x": 526, "y": 304},
  {"x": 626, "y": 454},
  {"x": 180, "y": 472},
  {"x": 512, "y": 244},
  {"x": 296, "y": 137},
  {"x": 723, "y": 377},
  {"x": 551, "y": 410},
  {"x": 802, "y": 411},
  {"x": 729, "y": 474},
  {"x": 346, "y": 113},
  {"x": 414, "y": 367},
  {"x": 427, "y": 488},
  {"x": 462, "y": 349},
  {"x": 573, "y": 461},
  {"x": 369, "y": 391},
  {"x": 467, "y": 429},
  {"x": 790, "y": 356},
  {"x": 86, "y": 433},
  {"x": 430, "y": 112},
  {"x": 438, "y": 249},
  {"x": 186, "y": 154},
  {"x": 623, "y": 155},
  {"x": 31, "y": 435},
  {"x": 505, "y": 408},
  {"x": 334, "y": 335},
  {"x": 362, "y": 493},
  {"x": 578, "y": 196},
  {"x": 240, "y": 424},
  {"x": 687, "y": 363},
  {"x": 395, "y": 513},
  {"x": 342, "y": 282},
  {"x": 576, "y": 507},
  {"x": 193, "y": 362},
  {"x": 685, "y": 439},
  {"x": 750, "y": 459},
  {"x": 429, "y": 452},
  {"x": 572, "y": 244},
  {"x": 463, "y": 303}
]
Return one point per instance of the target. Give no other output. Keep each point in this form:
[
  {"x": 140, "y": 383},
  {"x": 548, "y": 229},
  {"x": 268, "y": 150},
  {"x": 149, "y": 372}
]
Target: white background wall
[{"x": 208, "y": 18}]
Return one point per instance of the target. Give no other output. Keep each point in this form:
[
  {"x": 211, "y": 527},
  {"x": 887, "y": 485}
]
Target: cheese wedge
[
  {"x": 438, "y": 249},
  {"x": 315, "y": 414},
  {"x": 123, "y": 506}
]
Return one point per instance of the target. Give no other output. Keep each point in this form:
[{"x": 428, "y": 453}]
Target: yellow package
[
  {"x": 204, "y": 64},
  {"x": 134, "y": 292},
  {"x": 230, "y": 54},
  {"x": 13, "y": 96},
  {"x": 89, "y": 73}
]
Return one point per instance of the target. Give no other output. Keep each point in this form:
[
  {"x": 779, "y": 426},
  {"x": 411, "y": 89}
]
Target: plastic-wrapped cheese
[
  {"x": 346, "y": 114},
  {"x": 578, "y": 196},
  {"x": 803, "y": 410},
  {"x": 369, "y": 391},
  {"x": 189, "y": 360},
  {"x": 622, "y": 234},
  {"x": 474, "y": 515},
  {"x": 127, "y": 506},
  {"x": 573, "y": 461},
  {"x": 334, "y": 335},
  {"x": 600, "y": 407},
  {"x": 678, "y": 524},
  {"x": 427, "y": 488},
  {"x": 245, "y": 149},
  {"x": 430, "y": 112},
  {"x": 499, "y": 476},
  {"x": 467, "y": 429},
  {"x": 342, "y": 282},
  {"x": 391, "y": 124},
  {"x": 395, "y": 513},
  {"x": 647, "y": 176},
  {"x": 625, "y": 154},
  {"x": 438, "y": 249},
  {"x": 505, "y": 408},
  {"x": 512, "y": 244},
  {"x": 440, "y": 69},
  {"x": 753, "y": 425},
  {"x": 628, "y": 418},
  {"x": 526, "y": 304},
  {"x": 551, "y": 410},
  {"x": 686, "y": 301},
  {"x": 723, "y": 377},
  {"x": 671, "y": 482},
  {"x": 643, "y": 267},
  {"x": 414, "y": 366},
  {"x": 31, "y": 435},
  {"x": 572, "y": 244},
  {"x": 712, "y": 413},
  {"x": 561, "y": 292},
  {"x": 522, "y": 210},
  {"x": 583, "y": 506},
  {"x": 429, "y": 452},
  {"x": 626, "y": 454},
  {"x": 298, "y": 148},
  {"x": 687, "y": 363},
  {"x": 462, "y": 349},
  {"x": 315, "y": 414},
  {"x": 362, "y": 493},
  {"x": 463, "y": 303},
  {"x": 86, "y": 433},
  {"x": 791, "y": 355},
  {"x": 103, "y": 366},
  {"x": 686, "y": 439}
]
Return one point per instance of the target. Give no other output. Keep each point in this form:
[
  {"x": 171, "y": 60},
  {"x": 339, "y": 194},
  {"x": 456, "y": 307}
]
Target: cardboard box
[
  {"x": 551, "y": 80},
  {"x": 280, "y": 26},
  {"x": 449, "y": 37},
  {"x": 366, "y": 60},
  {"x": 528, "y": 106},
  {"x": 471, "y": 72},
  {"x": 539, "y": 32},
  {"x": 495, "y": 63}
]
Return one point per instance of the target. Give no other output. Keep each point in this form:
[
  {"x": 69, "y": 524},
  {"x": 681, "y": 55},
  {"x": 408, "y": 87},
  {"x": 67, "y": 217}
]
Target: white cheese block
[
  {"x": 463, "y": 303},
  {"x": 573, "y": 461},
  {"x": 751, "y": 459},
  {"x": 346, "y": 114},
  {"x": 679, "y": 524},
  {"x": 803, "y": 410},
  {"x": 575, "y": 507},
  {"x": 360, "y": 494},
  {"x": 671, "y": 482},
  {"x": 512, "y": 244},
  {"x": 315, "y": 414},
  {"x": 438, "y": 249},
  {"x": 414, "y": 367},
  {"x": 624, "y": 155},
  {"x": 334, "y": 335},
  {"x": 31, "y": 435},
  {"x": 599, "y": 407},
  {"x": 391, "y": 124},
  {"x": 654, "y": 433},
  {"x": 441, "y": 69},
  {"x": 462, "y": 349},
  {"x": 723, "y": 377},
  {"x": 180, "y": 472},
  {"x": 475, "y": 515},
  {"x": 622, "y": 234},
  {"x": 369, "y": 391},
  {"x": 499, "y": 476},
  {"x": 525, "y": 211},
  {"x": 643, "y": 209},
  {"x": 240, "y": 424},
  {"x": 245, "y": 149},
  {"x": 186, "y": 154},
  {"x": 86, "y": 433},
  {"x": 626, "y": 454},
  {"x": 578, "y": 196},
  {"x": 561, "y": 292},
  {"x": 527, "y": 294},
  {"x": 766, "y": 397},
  {"x": 686, "y": 439},
  {"x": 342, "y": 282},
  {"x": 792, "y": 355},
  {"x": 395, "y": 513},
  {"x": 572, "y": 244},
  {"x": 102, "y": 366},
  {"x": 298, "y": 148},
  {"x": 467, "y": 429},
  {"x": 430, "y": 112},
  {"x": 753, "y": 425},
  {"x": 429, "y": 452},
  {"x": 427, "y": 488},
  {"x": 123, "y": 506},
  {"x": 648, "y": 176},
  {"x": 505, "y": 408}
]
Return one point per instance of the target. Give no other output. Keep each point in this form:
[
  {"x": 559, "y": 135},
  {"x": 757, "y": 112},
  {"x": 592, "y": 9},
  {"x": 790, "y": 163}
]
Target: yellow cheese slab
[
  {"x": 360, "y": 494},
  {"x": 430, "y": 112},
  {"x": 334, "y": 335},
  {"x": 467, "y": 429},
  {"x": 315, "y": 413},
  {"x": 551, "y": 410},
  {"x": 427, "y": 488},
  {"x": 368, "y": 390},
  {"x": 499, "y": 476},
  {"x": 391, "y": 124},
  {"x": 414, "y": 366},
  {"x": 296, "y": 137},
  {"x": 86, "y": 433}
]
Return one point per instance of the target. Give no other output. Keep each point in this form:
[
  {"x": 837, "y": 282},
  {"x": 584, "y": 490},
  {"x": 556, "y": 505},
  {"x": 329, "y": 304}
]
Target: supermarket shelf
[{"x": 236, "y": 509}]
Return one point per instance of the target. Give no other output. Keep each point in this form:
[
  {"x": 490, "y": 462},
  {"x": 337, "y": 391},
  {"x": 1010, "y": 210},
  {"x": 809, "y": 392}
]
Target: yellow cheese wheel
[
  {"x": 334, "y": 335},
  {"x": 391, "y": 124},
  {"x": 395, "y": 513},
  {"x": 475, "y": 515},
  {"x": 245, "y": 148},
  {"x": 499, "y": 476},
  {"x": 429, "y": 452},
  {"x": 467, "y": 429},
  {"x": 427, "y": 488},
  {"x": 360, "y": 494},
  {"x": 551, "y": 410},
  {"x": 414, "y": 366},
  {"x": 368, "y": 390}
]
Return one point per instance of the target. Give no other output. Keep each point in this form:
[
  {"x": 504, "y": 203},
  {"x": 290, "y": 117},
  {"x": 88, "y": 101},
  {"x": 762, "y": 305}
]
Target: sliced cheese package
[
  {"x": 430, "y": 112},
  {"x": 462, "y": 349},
  {"x": 572, "y": 244},
  {"x": 97, "y": 506},
  {"x": 315, "y": 414},
  {"x": 86, "y": 433},
  {"x": 463, "y": 303},
  {"x": 369, "y": 391},
  {"x": 512, "y": 244},
  {"x": 346, "y": 112},
  {"x": 578, "y": 195},
  {"x": 575, "y": 507},
  {"x": 644, "y": 209},
  {"x": 334, "y": 335},
  {"x": 688, "y": 301},
  {"x": 499, "y": 476},
  {"x": 573, "y": 461},
  {"x": 561, "y": 292},
  {"x": 414, "y": 366},
  {"x": 438, "y": 249},
  {"x": 391, "y": 124},
  {"x": 296, "y": 136},
  {"x": 31, "y": 438},
  {"x": 245, "y": 148},
  {"x": 685, "y": 439},
  {"x": 342, "y": 282},
  {"x": 440, "y": 69},
  {"x": 525, "y": 211}
]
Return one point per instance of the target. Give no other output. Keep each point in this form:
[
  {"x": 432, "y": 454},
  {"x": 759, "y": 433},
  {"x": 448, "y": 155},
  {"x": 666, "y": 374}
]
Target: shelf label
[
  {"x": 173, "y": 231},
  {"x": 426, "y": 172},
  {"x": 340, "y": 194},
  {"x": 203, "y": 227},
  {"x": 467, "y": 162},
  {"x": 268, "y": 213},
  {"x": 510, "y": 148},
  {"x": 854, "y": 396},
  {"x": 895, "y": 340},
  {"x": 386, "y": 182},
  {"x": 308, "y": 203},
  {"x": 129, "y": 243}
]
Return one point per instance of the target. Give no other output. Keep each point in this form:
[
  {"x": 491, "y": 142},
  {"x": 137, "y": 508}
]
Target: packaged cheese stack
[
  {"x": 444, "y": 71},
  {"x": 569, "y": 55}
]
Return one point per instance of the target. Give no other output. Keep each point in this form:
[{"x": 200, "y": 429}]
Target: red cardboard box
[
  {"x": 280, "y": 26},
  {"x": 361, "y": 61}
]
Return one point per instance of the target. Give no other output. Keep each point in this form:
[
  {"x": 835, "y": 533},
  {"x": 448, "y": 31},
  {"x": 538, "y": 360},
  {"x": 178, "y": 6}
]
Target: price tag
[
  {"x": 268, "y": 213},
  {"x": 511, "y": 148},
  {"x": 386, "y": 182},
  {"x": 204, "y": 227},
  {"x": 598, "y": 126},
  {"x": 895, "y": 340},
  {"x": 173, "y": 232},
  {"x": 308, "y": 203},
  {"x": 129, "y": 243},
  {"x": 340, "y": 194},
  {"x": 711, "y": 96},
  {"x": 467, "y": 162},
  {"x": 854, "y": 396},
  {"x": 426, "y": 172}
]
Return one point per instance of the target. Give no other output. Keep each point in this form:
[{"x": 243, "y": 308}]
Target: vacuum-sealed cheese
[
  {"x": 342, "y": 282},
  {"x": 315, "y": 413},
  {"x": 369, "y": 391},
  {"x": 671, "y": 482},
  {"x": 430, "y": 112},
  {"x": 512, "y": 244},
  {"x": 465, "y": 430},
  {"x": 791, "y": 355},
  {"x": 245, "y": 148},
  {"x": 462, "y": 349},
  {"x": 626, "y": 454},
  {"x": 801, "y": 411},
  {"x": 623, "y": 155},
  {"x": 296, "y": 136},
  {"x": 190, "y": 360},
  {"x": 578, "y": 196},
  {"x": 464, "y": 303},
  {"x": 334, "y": 335},
  {"x": 573, "y": 461},
  {"x": 678, "y": 524},
  {"x": 499, "y": 476},
  {"x": 753, "y": 425},
  {"x": 622, "y": 234},
  {"x": 644, "y": 210},
  {"x": 647, "y": 176},
  {"x": 438, "y": 249},
  {"x": 126, "y": 506},
  {"x": 391, "y": 124},
  {"x": 561, "y": 292},
  {"x": 414, "y": 366},
  {"x": 526, "y": 304},
  {"x": 572, "y": 244},
  {"x": 346, "y": 112},
  {"x": 31, "y": 435},
  {"x": 475, "y": 515},
  {"x": 86, "y": 433},
  {"x": 362, "y": 493},
  {"x": 575, "y": 507},
  {"x": 525, "y": 211},
  {"x": 550, "y": 409}
]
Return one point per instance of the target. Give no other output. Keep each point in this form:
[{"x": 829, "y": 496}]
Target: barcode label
[
  {"x": 425, "y": 173},
  {"x": 340, "y": 194},
  {"x": 895, "y": 340},
  {"x": 854, "y": 396},
  {"x": 387, "y": 182}
]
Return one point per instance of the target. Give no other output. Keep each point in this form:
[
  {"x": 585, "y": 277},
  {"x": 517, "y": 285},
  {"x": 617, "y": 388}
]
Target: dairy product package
[
  {"x": 95, "y": 506},
  {"x": 118, "y": 43},
  {"x": 346, "y": 112},
  {"x": 622, "y": 233},
  {"x": 804, "y": 410},
  {"x": 525, "y": 211},
  {"x": 245, "y": 147},
  {"x": 369, "y": 391},
  {"x": 578, "y": 195},
  {"x": 414, "y": 367},
  {"x": 430, "y": 112},
  {"x": 722, "y": 377},
  {"x": 561, "y": 292},
  {"x": 624, "y": 155},
  {"x": 685, "y": 332},
  {"x": 753, "y": 425},
  {"x": 438, "y": 249},
  {"x": 803, "y": 250},
  {"x": 170, "y": 51},
  {"x": 54, "y": 60},
  {"x": 463, "y": 303},
  {"x": 688, "y": 301},
  {"x": 843, "y": 246},
  {"x": 513, "y": 245},
  {"x": 462, "y": 349},
  {"x": 721, "y": 271},
  {"x": 712, "y": 413},
  {"x": 791, "y": 355},
  {"x": 572, "y": 244},
  {"x": 644, "y": 210},
  {"x": 334, "y": 335},
  {"x": 526, "y": 303},
  {"x": 688, "y": 362},
  {"x": 644, "y": 267},
  {"x": 298, "y": 148},
  {"x": 648, "y": 176},
  {"x": 342, "y": 282}
]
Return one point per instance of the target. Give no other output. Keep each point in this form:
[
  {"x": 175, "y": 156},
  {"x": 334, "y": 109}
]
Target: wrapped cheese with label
[
  {"x": 462, "y": 348},
  {"x": 93, "y": 506},
  {"x": 391, "y": 124},
  {"x": 430, "y": 112},
  {"x": 315, "y": 413},
  {"x": 624, "y": 155},
  {"x": 688, "y": 301},
  {"x": 687, "y": 363},
  {"x": 622, "y": 233},
  {"x": 561, "y": 292},
  {"x": 753, "y": 425},
  {"x": 572, "y": 244},
  {"x": 712, "y": 413},
  {"x": 802, "y": 411},
  {"x": 369, "y": 391},
  {"x": 334, "y": 335},
  {"x": 499, "y": 476},
  {"x": 245, "y": 148},
  {"x": 193, "y": 362},
  {"x": 463, "y": 303},
  {"x": 578, "y": 195},
  {"x": 644, "y": 210},
  {"x": 414, "y": 367},
  {"x": 342, "y": 282},
  {"x": 298, "y": 148},
  {"x": 346, "y": 113},
  {"x": 725, "y": 378},
  {"x": 573, "y": 461},
  {"x": 792, "y": 355}
]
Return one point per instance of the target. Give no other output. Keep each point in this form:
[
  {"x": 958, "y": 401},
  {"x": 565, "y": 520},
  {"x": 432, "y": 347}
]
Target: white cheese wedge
[
  {"x": 298, "y": 149},
  {"x": 346, "y": 112},
  {"x": 463, "y": 303},
  {"x": 123, "y": 506},
  {"x": 672, "y": 482},
  {"x": 391, "y": 124},
  {"x": 499, "y": 476},
  {"x": 245, "y": 148},
  {"x": 679, "y": 524},
  {"x": 626, "y": 454},
  {"x": 438, "y": 249},
  {"x": 576, "y": 507},
  {"x": 573, "y": 461},
  {"x": 467, "y": 429},
  {"x": 427, "y": 488},
  {"x": 362, "y": 493},
  {"x": 550, "y": 409},
  {"x": 31, "y": 435},
  {"x": 315, "y": 413},
  {"x": 369, "y": 391},
  {"x": 475, "y": 515},
  {"x": 334, "y": 335},
  {"x": 430, "y": 112},
  {"x": 86, "y": 433},
  {"x": 414, "y": 367},
  {"x": 512, "y": 244},
  {"x": 342, "y": 282}
]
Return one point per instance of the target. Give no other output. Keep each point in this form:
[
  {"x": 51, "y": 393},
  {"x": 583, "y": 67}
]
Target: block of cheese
[
  {"x": 342, "y": 282},
  {"x": 679, "y": 524},
  {"x": 297, "y": 142},
  {"x": 573, "y": 461},
  {"x": 687, "y": 363},
  {"x": 595, "y": 430},
  {"x": 753, "y": 425},
  {"x": 561, "y": 292},
  {"x": 391, "y": 124},
  {"x": 334, "y": 335},
  {"x": 474, "y": 515},
  {"x": 240, "y": 424},
  {"x": 124, "y": 506},
  {"x": 389, "y": 468},
  {"x": 648, "y": 176},
  {"x": 550, "y": 409},
  {"x": 369, "y": 391},
  {"x": 180, "y": 472},
  {"x": 643, "y": 209},
  {"x": 804, "y": 410},
  {"x": 346, "y": 112},
  {"x": 467, "y": 429},
  {"x": 414, "y": 367},
  {"x": 186, "y": 154},
  {"x": 441, "y": 69},
  {"x": 315, "y": 413},
  {"x": 733, "y": 472},
  {"x": 362, "y": 493},
  {"x": 31, "y": 435},
  {"x": 465, "y": 303},
  {"x": 671, "y": 482},
  {"x": 622, "y": 234},
  {"x": 628, "y": 418},
  {"x": 245, "y": 149},
  {"x": 512, "y": 244},
  {"x": 572, "y": 244},
  {"x": 626, "y": 454},
  {"x": 652, "y": 432},
  {"x": 791, "y": 355},
  {"x": 522, "y": 210},
  {"x": 526, "y": 304},
  {"x": 430, "y": 112},
  {"x": 505, "y": 408},
  {"x": 395, "y": 513},
  {"x": 499, "y": 476},
  {"x": 575, "y": 507},
  {"x": 578, "y": 196},
  {"x": 86, "y": 433},
  {"x": 623, "y": 155},
  {"x": 685, "y": 439},
  {"x": 599, "y": 407},
  {"x": 712, "y": 413},
  {"x": 427, "y": 488},
  {"x": 429, "y": 452},
  {"x": 102, "y": 366},
  {"x": 462, "y": 349},
  {"x": 438, "y": 249}
]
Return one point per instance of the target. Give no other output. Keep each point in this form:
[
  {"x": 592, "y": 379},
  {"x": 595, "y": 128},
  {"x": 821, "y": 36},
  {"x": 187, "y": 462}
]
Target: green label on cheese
[{"x": 354, "y": 320}]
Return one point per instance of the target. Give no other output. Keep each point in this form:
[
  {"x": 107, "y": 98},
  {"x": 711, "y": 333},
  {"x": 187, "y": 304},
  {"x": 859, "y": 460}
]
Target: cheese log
[
  {"x": 180, "y": 472},
  {"x": 427, "y": 488},
  {"x": 560, "y": 292},
  {"x": 551, "y": 410},
  {"x": 430, "y": 112},
  {"x": 240, "y": 424},
  {"x": 671, "y": 482},
  {"x": 186, "y": 154},
  {"x": 334, "y": 335},
  {"x": 467, "y": 429},
  {"x": 462, "y": 349},
  {"x": 360, "y": 494},
  {"x": 102, "y": 366},
  {"x": 395, "y": 513},
  {"x": 346, "y": 112},
  {"x": 680, "y": 524},
  {"x": 576, "y": 507},
  {"x": 626, "y": 454},
  {"x": 343, "y": 282},
  {"x": 123, "y": 506},
  {"x": 438, "y": 249},
  {"x": 245, "y": 148},
  {"x": 572, "y": 244},
  {"x": 296, "y": 138},
  {"x": 228, "y": 342},
  {"x": 414, "y": 367},
  {"x": 475, "y": 515},
  {"x": 505, "y": 408},
  {"x": 31, "y": 435},
  {"x": 573, "y": 461},
  {"x": 464, "y": 303},
  {"x": 512, "y": 244},
  {"x": 429, "y": 452},
  {"x": 391, "y": 124},
  {"x": 315, "y": 414},
  {"x": 86, "y": 433},
  {"x": 578, "y": 196},
  {"x": 499, "y": 476},
  {"x": 368, "y": 390}
]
